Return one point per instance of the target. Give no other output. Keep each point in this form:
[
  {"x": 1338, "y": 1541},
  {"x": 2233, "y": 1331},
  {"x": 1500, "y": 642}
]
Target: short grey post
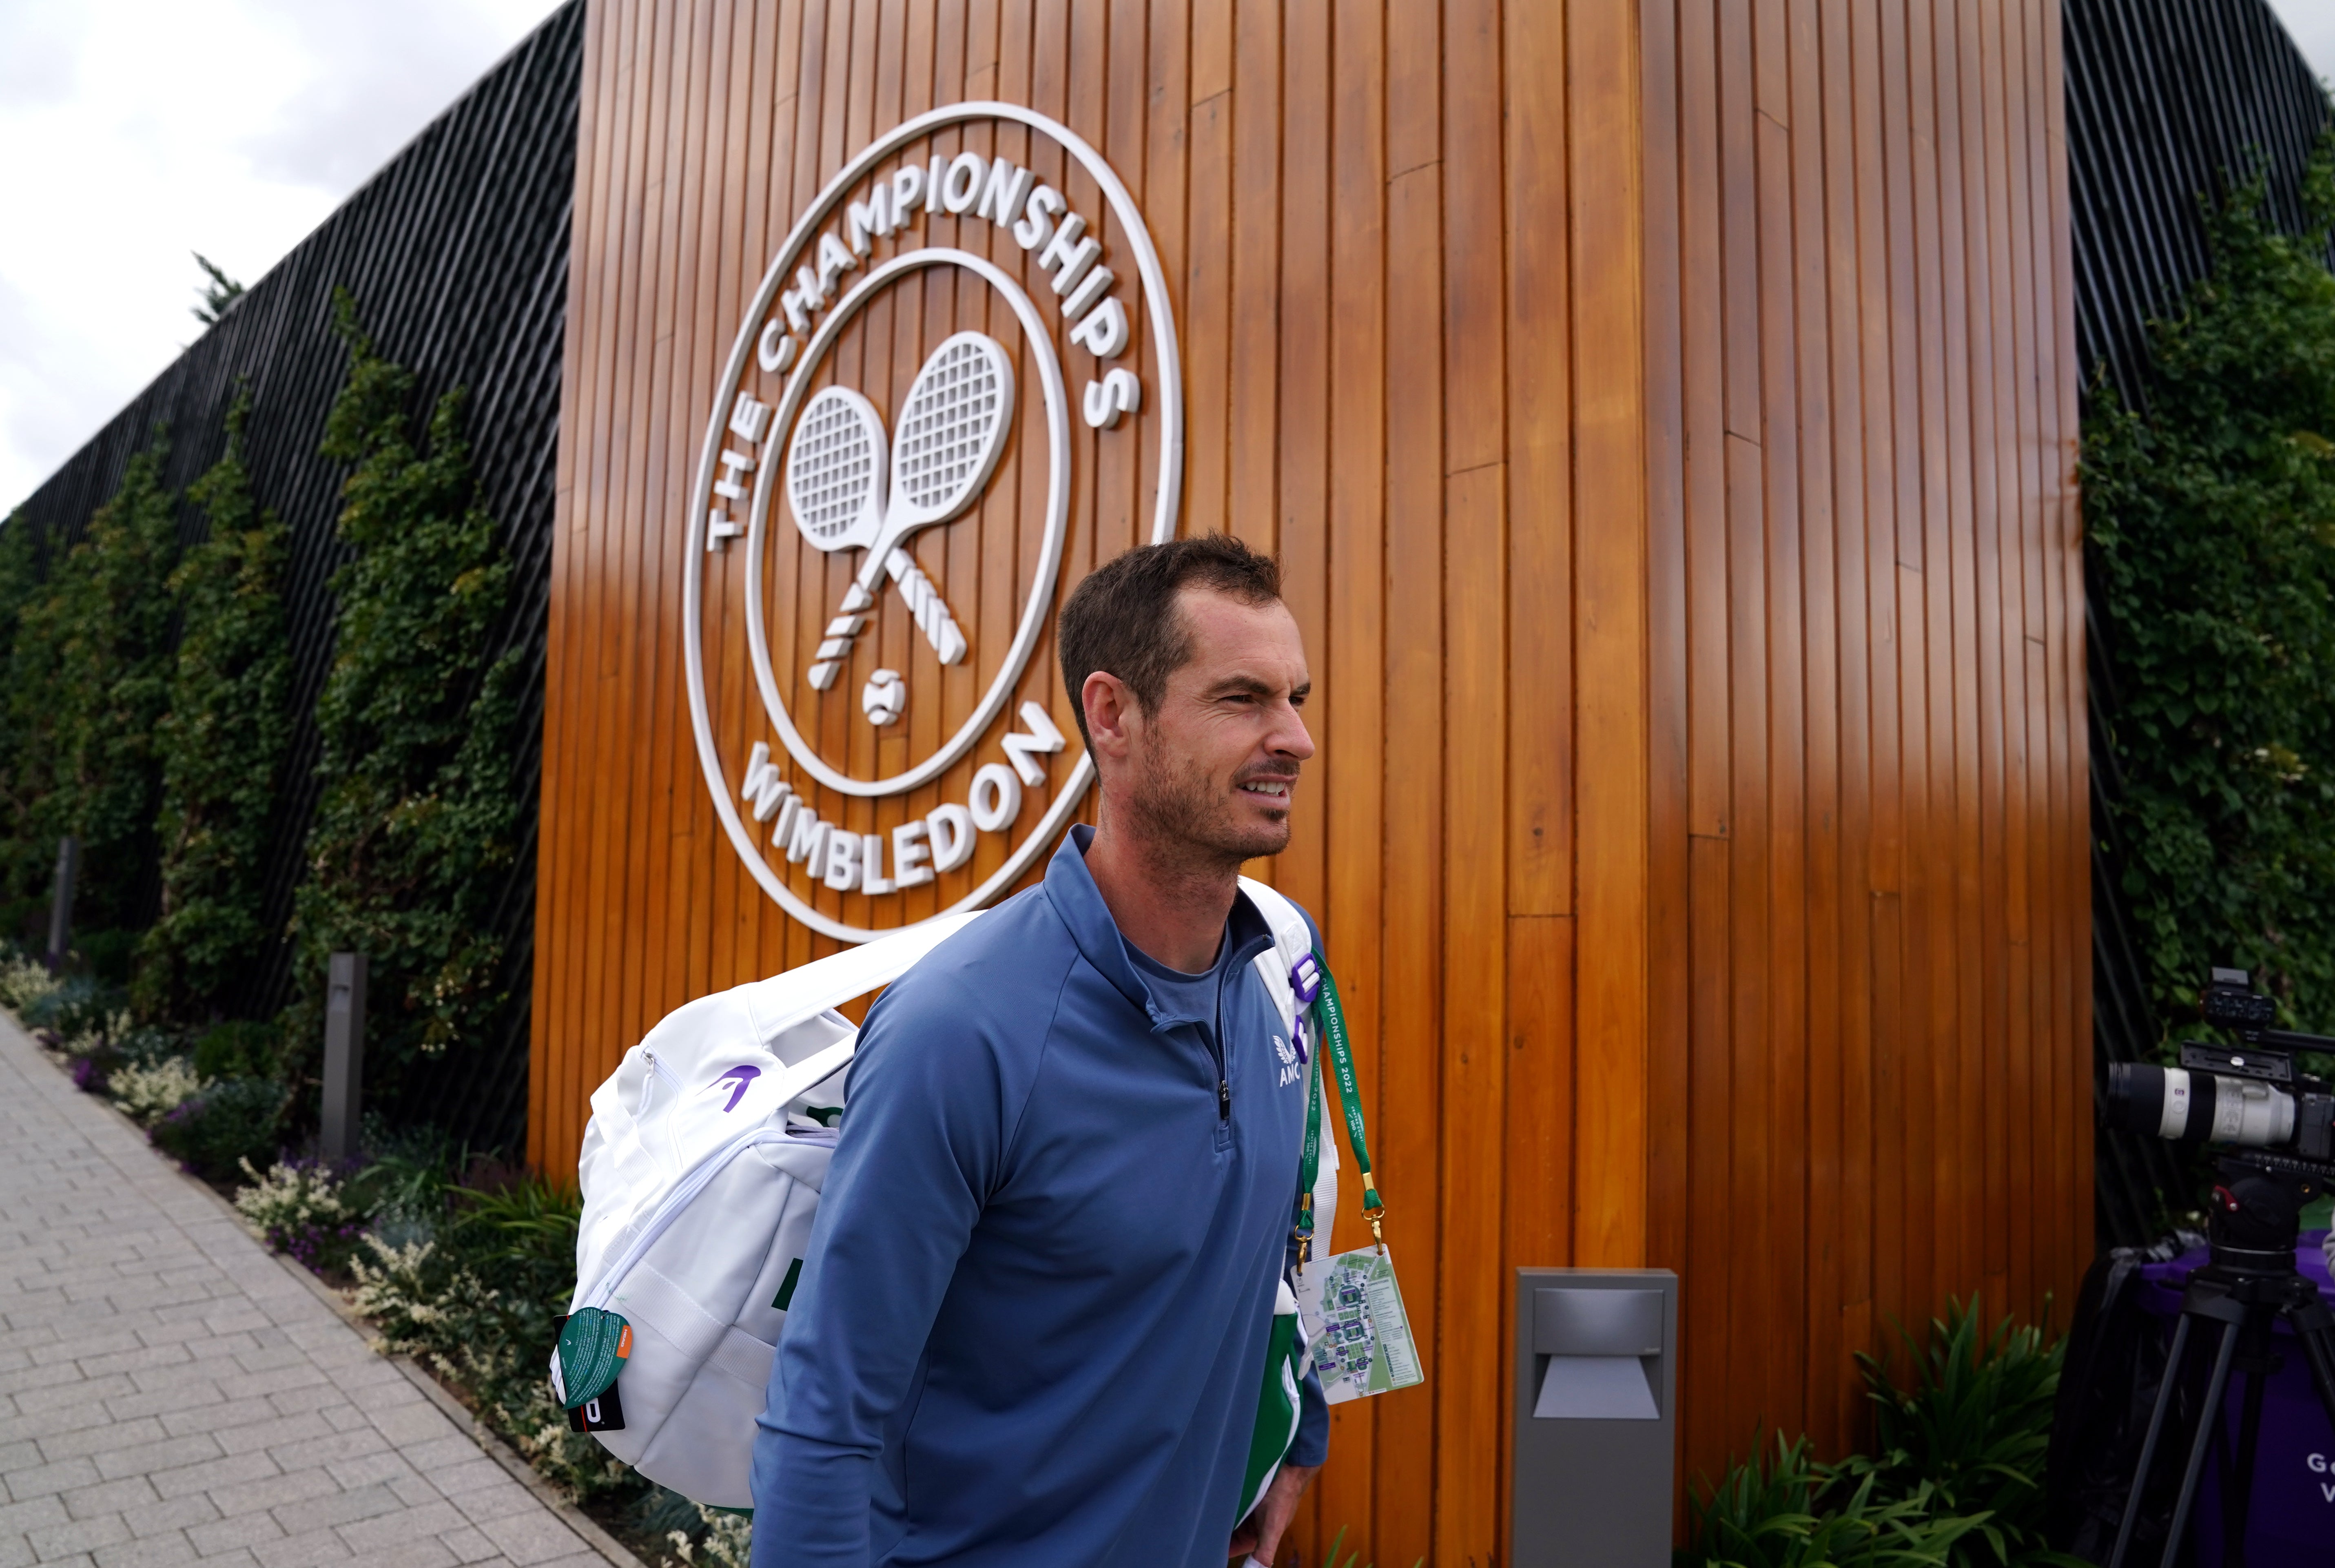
[
  {"x": 344, "y": 1010},
  {"x": 61, "y": 901},
  {"x": 1596, "y": 1415}
]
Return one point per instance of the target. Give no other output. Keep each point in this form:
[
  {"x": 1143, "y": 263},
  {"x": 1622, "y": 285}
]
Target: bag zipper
[{"x": 692, "y": 1183}]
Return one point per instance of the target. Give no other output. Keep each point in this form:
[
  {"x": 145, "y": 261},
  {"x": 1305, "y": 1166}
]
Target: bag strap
[
  {"x": 807, "y": 989},
  {"x": 1299, "y": 978}
]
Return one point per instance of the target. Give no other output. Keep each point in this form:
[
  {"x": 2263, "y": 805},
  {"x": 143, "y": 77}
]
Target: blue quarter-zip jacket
[{"x": 1031, "y": 1329}]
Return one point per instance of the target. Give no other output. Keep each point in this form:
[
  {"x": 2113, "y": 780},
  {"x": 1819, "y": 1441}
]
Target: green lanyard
[{"x": 1330, "y": 1029}]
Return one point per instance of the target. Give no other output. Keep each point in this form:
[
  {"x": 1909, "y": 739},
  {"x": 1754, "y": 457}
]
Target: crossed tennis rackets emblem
[{"x": 850, "y": 487}]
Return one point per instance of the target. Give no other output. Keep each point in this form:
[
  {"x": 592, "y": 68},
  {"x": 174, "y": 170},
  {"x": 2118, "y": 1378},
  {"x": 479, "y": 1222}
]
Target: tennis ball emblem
[{"x": 884, "y": 697}]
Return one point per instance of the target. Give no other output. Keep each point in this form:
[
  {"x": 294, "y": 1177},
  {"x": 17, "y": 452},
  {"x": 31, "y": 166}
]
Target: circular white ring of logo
[{"x": 1160, "y": 325}]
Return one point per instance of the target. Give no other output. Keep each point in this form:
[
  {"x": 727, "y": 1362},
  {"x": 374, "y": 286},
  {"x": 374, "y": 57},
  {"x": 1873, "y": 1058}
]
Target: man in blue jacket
[{"x": 1031, "y": 1327}]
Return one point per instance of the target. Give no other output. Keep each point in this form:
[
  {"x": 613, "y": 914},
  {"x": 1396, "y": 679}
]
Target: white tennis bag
[{"x": 701, "y": 1173}]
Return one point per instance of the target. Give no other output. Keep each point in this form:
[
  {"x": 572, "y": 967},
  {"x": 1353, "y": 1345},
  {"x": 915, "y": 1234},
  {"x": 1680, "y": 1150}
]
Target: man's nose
[{"x": 1290, "y": 737}]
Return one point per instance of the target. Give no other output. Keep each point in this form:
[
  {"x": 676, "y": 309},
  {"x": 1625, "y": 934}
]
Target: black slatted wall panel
[
  {"x": 2168, "y": 101},
  {"x": 457, "y": 253}
]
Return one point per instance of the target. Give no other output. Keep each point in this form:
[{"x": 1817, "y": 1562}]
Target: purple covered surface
[{"x": 2292, "y": 1519}]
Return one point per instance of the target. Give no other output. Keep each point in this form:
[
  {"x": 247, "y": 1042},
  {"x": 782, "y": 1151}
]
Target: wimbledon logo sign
[{"x": 880, "y": 743}]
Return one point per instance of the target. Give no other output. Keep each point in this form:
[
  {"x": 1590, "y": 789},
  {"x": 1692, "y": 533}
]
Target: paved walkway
[{"x": 171, "y": 1393}]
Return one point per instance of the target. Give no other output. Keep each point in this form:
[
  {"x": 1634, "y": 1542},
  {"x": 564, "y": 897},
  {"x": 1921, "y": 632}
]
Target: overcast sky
[
  {"x": 2311, "y": 24},
  {"x": 133, "y": 132}
]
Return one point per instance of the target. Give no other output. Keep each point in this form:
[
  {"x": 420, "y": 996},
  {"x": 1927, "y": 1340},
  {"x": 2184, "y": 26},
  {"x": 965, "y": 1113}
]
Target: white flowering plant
[
  {"x": 24, "y": 982},
  {"x": 303, "y": 1208},
  {"x": 148, "y": 1094}
]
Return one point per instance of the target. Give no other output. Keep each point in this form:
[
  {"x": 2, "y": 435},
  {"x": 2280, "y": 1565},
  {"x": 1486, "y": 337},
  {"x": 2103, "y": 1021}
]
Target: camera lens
[
  {"x": 2137, "y": 1100},
  {"x": 2173, "y": 1102}
]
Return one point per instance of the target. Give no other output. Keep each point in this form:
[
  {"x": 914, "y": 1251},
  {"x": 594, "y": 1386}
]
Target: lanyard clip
[{"x": 1306, "y": 980}]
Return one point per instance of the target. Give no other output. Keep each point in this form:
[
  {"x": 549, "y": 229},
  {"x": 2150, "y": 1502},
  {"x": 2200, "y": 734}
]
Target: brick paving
[{"x": 171, "y": 1393}]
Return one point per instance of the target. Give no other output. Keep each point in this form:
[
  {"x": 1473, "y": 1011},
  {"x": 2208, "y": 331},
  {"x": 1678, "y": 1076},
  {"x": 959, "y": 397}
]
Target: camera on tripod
[
  {"x": 2275, "y": 1125},
  {"x": 2250, "y": 1095}
]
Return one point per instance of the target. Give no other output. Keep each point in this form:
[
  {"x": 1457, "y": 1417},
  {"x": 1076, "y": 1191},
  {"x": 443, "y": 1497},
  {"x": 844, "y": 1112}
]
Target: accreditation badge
[{"x": 1355, "y": 1326}]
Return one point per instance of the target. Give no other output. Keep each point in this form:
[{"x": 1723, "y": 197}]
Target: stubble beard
[{"x": 1188, "y": 816}]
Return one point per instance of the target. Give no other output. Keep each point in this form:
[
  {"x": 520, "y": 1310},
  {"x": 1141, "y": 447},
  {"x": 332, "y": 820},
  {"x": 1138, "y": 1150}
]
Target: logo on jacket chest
[{"x": 1292, "y": 1066}]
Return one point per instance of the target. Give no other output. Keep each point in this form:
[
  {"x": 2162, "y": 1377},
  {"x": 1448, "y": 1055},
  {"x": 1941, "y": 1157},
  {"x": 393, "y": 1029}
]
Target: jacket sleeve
[
  {"x": 918, "y": 1153},
  {"x": 1311, "y": 1445}
]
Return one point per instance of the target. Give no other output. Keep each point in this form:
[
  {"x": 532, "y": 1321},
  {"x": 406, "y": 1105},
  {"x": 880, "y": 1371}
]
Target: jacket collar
[{"x": 1071, "y": 888}]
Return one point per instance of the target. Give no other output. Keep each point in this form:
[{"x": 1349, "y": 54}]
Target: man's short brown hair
[{"x": 1122, "y": 619}]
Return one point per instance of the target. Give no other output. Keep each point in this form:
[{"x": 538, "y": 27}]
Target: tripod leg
[
  {"x": 2237, "y": 1496},
  {"x": 2148, "y": 1444},
  {"x": 2209, "y": 1420},
  {"x": 2314, "y": 1326}
]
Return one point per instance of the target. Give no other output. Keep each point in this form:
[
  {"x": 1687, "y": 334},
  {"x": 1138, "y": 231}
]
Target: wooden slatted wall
[
  {"x": 1872, "y": 1002},
  {"x": 1681, "y": 542}
]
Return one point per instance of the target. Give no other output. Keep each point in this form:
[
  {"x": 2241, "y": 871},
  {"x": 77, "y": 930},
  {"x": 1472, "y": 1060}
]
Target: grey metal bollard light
[
  {"x": 1596, "y": 1416},
  {"x": 345, "y": 1008},
  {"x": 61, "y": 901}
]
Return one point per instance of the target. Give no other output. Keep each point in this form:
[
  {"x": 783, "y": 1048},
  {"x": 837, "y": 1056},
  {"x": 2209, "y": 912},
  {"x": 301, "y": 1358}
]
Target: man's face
[{"x": 1216, "y": 765}]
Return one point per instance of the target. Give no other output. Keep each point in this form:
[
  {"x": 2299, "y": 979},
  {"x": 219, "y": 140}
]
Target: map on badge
[{"x": 1354, "y": 1322}]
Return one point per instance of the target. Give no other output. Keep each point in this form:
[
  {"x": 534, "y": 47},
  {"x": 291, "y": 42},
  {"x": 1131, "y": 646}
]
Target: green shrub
[
  {"x": 240, "y": 1048},
  {"x": 214, "y": 1131},
  {"x": 2211, "y": 516},
  {"x": 717, "y": 1538},
  {"x": 1973, "y": 1426},
  {"x": 1957, "y": 1481},
  {"x": 76, "y": 1007},
  {"x": 1793, "y": 1512},
  {"x": 221, "y": 747},
  {"x": 27, "y": 731},
  {"x": 109, "y": 613},
  {"x": 433, "y": 1298},
  {"x": 418, "y": 818}
]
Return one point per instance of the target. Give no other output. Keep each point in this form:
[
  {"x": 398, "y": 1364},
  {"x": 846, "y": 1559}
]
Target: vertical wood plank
[
  {"x": 1355, "y": 676},
  {"x": 1608, "y": 371},
  {"x": 1412, "y": 1000}
]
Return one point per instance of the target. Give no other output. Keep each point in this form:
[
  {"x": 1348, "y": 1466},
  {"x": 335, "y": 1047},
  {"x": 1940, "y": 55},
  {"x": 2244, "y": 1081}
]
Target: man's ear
[{"x": 1111, "y": 714}]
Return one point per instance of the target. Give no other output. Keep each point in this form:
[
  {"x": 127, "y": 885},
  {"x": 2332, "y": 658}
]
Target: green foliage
[
  {"x": 215, "y": 1130},
  {"x": 2211, "y": 515},
  {"x": 1957, "y": 1482},
  {"x": 1793, "y": 1512},
  {"x": 221, "y": 747},
  {"x": 219, "y": 292},
  {"x": 240, "y": 1048},
  {"x": 1974, "y": 1428},
  {"x": 106, "y": 614},
  {"x": 475, "y": 1299},
  {"x": 418, "y": 814},
  {"x": 28, "y": 730}
]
